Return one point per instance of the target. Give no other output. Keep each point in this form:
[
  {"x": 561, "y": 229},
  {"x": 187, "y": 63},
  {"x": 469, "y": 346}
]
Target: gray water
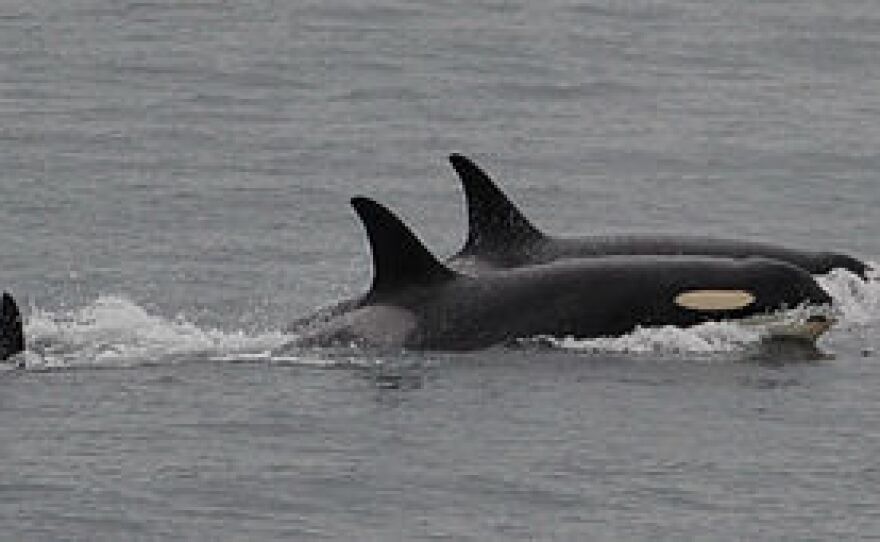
[{"x": 174, "y": 188}]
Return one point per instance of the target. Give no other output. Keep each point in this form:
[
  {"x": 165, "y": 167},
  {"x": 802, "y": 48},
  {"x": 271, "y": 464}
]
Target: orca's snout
[
  {"x": 789, "y": 286},
  {"x": 822, "y": 294},
  {"x": 814, "y": 294}
]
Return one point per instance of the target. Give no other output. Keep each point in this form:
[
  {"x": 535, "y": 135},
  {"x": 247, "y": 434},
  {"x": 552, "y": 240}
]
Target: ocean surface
[{"x": 174, "y": 186}]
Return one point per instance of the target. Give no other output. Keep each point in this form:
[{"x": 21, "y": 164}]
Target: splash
[
  {"x": 856, "y": 300},
  {"x": 709, "y": 339},
  {"x": 115, "y": 332}
]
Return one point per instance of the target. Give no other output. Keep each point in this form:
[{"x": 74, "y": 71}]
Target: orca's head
[
  {"x": 787, "y": 285},
  {"x": 754, "y": 286}
]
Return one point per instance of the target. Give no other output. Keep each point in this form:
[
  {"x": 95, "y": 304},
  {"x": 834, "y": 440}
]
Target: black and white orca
[
  {"x": 418, "y": 302},
  {"x": 500, "y": 236}
]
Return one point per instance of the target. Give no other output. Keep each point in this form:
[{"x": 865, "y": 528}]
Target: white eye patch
[{"x": 714, "y": 300}]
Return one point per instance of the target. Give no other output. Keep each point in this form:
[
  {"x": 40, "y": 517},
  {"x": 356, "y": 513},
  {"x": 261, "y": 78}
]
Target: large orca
[
  {"x": 11, "y": 328},
  {"x": 416, "y": 301},
  {"x": 499, "y": 235}
]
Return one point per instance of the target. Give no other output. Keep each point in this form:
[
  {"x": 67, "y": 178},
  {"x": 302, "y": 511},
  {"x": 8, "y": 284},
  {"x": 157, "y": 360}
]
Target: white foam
[
  {"x": 705, "y": 339},
  {"x": 114, "y": 331},
  {"x": 856, "y": 301}
]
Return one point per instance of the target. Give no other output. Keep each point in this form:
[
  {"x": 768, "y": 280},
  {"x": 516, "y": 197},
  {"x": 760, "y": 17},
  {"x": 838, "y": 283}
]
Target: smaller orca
[
  {"x": 499, "y": 235},
  {"x": 11, "y": 328},
  {"x": 416, "y": 301}
]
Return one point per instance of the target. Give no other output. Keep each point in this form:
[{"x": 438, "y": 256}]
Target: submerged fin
[
  {"x": 11, "y": 328},
  {"x": 399, "y": 257},
  {"x": 494, "y": 222}
]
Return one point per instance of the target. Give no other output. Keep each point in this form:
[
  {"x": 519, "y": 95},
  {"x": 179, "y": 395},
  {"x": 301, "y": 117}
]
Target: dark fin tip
[
  {"x": 495, "y": 224},
  {"x": 11, "y": 328},
  {"x": 400, "y": 259}
]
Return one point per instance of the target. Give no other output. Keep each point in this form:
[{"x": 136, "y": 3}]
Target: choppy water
[{"x": 174, "y": 189}]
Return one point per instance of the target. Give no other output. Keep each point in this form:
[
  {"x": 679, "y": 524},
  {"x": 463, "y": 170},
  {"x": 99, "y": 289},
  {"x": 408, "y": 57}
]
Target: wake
[{"x": 115, "y": 332}]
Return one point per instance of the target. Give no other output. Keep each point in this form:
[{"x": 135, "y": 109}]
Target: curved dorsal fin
[
  {"x": 494, "y": 222},
  {"x": 399, "y": 257}
]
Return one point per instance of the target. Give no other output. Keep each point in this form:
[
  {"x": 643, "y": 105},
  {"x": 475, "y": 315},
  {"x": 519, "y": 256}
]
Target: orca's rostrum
[{"x": 416, "y": 301}]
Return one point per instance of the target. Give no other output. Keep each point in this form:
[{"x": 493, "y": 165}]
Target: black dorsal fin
[
  {"x": 399, "y": 257},
  {"x": 11, "y": 328},
  {"x": 494, "y": 222}
]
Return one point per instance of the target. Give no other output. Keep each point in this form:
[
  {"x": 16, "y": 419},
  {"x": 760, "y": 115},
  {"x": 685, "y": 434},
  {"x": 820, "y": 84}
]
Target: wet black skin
[
  {"x": 499, "y": 235},
  {"x": 501, "y": 238},
  {"x": 549, "y": 249},
  {"x": 589, "y": 297},
  {"x": 11, "y": 328}
]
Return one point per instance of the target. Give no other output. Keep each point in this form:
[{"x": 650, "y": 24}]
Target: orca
[
  {"x": 500, "y": 236},
  {"x": 11, "y": 328},
  {"x": 417, "y": 302}
]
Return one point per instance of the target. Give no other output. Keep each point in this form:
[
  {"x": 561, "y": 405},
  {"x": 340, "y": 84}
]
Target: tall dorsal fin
[
  {"x": 399, "y": 257},
  {"x": 494, "y": 222}
]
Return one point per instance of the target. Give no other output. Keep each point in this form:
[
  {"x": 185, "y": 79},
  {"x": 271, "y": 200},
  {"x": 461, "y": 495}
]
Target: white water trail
[
  {"x": 113, "y": 331},
  {"x": 116, "y": 332},
  {"x": 857, "y": 301},
  {"x": 707, "y": 339}
]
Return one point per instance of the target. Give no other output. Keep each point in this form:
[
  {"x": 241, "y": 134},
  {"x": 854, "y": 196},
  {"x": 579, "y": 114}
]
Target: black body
[
  {"x": 499, "y": 235},
  {"x": 417, "y": 302}
]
